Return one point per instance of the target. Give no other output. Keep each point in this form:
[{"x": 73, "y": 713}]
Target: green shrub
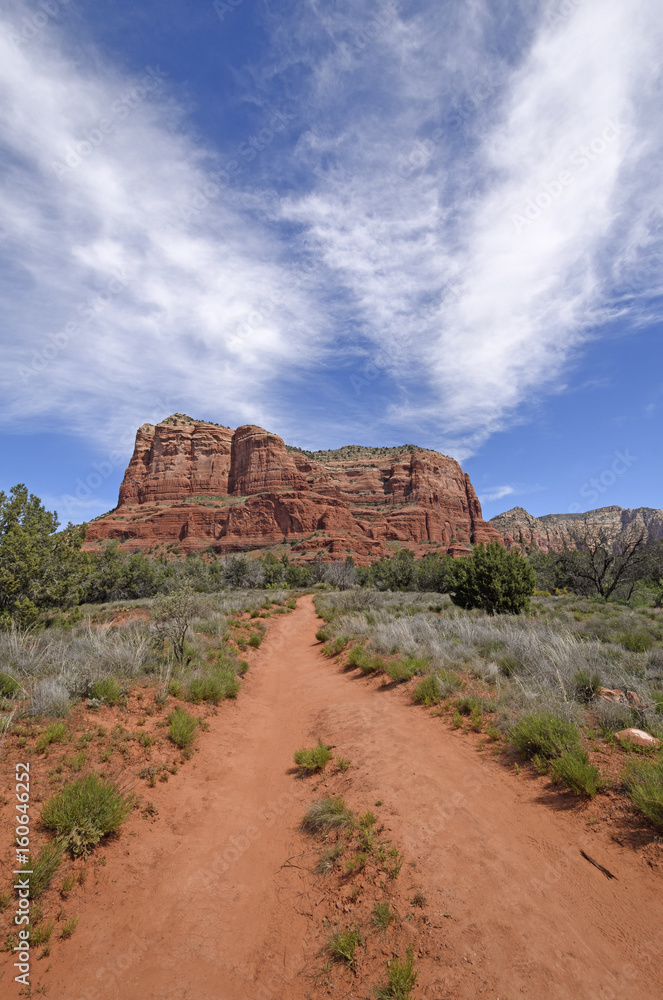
[
  {"x": 327, "y": 814},
  {"x": 328, "y": 858},
  {"x": 108, "y": 690},
  {"x": 586, "y": 685},
  {"x": 9, "y": 687},
  {"x": 44, "y": 868},
  {"x": 55, "y": 733},
  {"x": 343, "y": 763},
  {"x": 323, "y": 634},
  {"x": 85, "y": 811},
  {"x": 543, "y": 734},
  {"x": 367, "y": 664},
  {"x": 214, "y": 688},
  {"x": 509, "y": 665},
  {"x": 427, "y": 692},
  {"x": 343, "y": 944},
  {"x": 644, "y": 782},
  {"x": 255, "y": 639},
  {"x": 401, "y": 978},
  {"x": 449, "y": 682},
  {"x": 69, "y": 927},
  {"x": 574, "y": 770},
  {"x": 336, "y": 646},
  {"x": 636, "y": 642},
  {"x": 406, "y": 667},
  {"x": 175, "y": 688},
  {"x": 41, "y": 934},
  {"x": 469, "y": 704},
  {"x": 382, "y": 916},
  {"x": 182, "y": 728},
  {"x": 493, "y": 579},
  {"x": 313, "y": 759}
]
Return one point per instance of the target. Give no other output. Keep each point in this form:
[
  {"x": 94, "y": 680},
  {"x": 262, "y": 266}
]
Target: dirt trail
[{"x": 203, "y": 905}]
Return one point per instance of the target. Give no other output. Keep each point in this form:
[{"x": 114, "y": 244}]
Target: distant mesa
[
  {"x": 194, "y": 485},
  {"x": 554, "y": 532}
]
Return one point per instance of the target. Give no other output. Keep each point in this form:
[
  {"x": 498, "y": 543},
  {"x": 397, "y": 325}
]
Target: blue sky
[{"x": 348, "y": 222}]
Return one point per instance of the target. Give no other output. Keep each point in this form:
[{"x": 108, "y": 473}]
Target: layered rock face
[
  {"x": 197, "y": 485},
  {"x": 554, "y": 532}
]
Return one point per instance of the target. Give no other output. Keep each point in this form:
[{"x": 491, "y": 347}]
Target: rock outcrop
[
  {"x": 195, "y": 485},
  {"x": 554, "y": 532}
]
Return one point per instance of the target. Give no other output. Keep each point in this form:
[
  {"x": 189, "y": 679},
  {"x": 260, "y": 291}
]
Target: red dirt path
[{"x": 198, "y": 905}]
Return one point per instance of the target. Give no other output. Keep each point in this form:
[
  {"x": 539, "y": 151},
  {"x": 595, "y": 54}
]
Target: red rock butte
[{"x": 197, "y": 486}]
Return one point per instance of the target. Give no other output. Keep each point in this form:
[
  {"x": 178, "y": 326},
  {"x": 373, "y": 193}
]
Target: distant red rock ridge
[
  {"x": 194, "y": 485},
  {"x": 554, "y": 532}
]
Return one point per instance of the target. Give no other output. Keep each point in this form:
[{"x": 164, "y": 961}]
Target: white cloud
[
  {"x": 115, "y": 221},
  {"x": 457, "y": 234},
  {"x": 496, "y": 493},
  {"x": 480, "y": 264}
]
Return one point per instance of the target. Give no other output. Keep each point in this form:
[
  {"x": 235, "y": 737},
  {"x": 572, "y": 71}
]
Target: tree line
[{"x": 42, "y": 567}]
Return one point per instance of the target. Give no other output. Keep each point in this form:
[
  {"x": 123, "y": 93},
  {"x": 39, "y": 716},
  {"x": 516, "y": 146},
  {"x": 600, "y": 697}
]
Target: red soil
[{"x": 216, "y": 900}]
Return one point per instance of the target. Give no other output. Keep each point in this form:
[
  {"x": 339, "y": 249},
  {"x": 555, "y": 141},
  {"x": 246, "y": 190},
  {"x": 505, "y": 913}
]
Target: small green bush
[
  {"x": 574, "y": 770},
  {"x": 543, "y": 734},
  {"x": 509, "y": 665},
  {"x": 644, "y": 782},
  {"x": 328, "y": 858},
  {"x": 449, "y": 682},
  {"x": 405, "y": 668},
  {"x": 313, "y": 759},
  {"x": 9, "y": 687},
  {"x": 85, "y": 811},
  {"x": 401, "y": 978},
  {"x": 469, "y": 704},
  {"x": 175, "y": 688},
  {"x": 586, "y": 685},
  {"x": 41, "y": 934},
  {"x": 55, "y": 733},
  {"x": 108, "y": 690},
  {"x": 255, "y": 639},
  {"x": 343, "y": 944},
  {"x": 427, "y": 692},
  {"x": 44, "y": 868},
  {"x": 214, "y": 688},
  {"x": 382, "y": 916},
  {"x": 636, "y": 642},
  {"x": 337, "y": 646},
  {"x": 182, "y": 728},
  {"x": 327, "y": 814},
  {"x": 323, "y": 634}
]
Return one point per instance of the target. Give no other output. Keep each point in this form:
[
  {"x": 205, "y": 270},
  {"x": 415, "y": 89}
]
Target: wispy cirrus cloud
[
  {"x": 132, "y": 270},
  {"x": 483, "y": 204},
  {"x": 474, "y": 188}
]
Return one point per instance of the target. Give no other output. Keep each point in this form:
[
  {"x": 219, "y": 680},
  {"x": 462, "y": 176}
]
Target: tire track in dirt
[{"x": 208, "y": 902}]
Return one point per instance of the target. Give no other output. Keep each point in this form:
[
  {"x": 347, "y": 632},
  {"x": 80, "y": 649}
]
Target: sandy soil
[{"x": 215, "y": 900}]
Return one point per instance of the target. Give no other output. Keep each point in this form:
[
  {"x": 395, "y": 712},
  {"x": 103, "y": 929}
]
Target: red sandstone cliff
[
  {"x": 199, "y": 485},
  {"x": 554, "y": 532}
]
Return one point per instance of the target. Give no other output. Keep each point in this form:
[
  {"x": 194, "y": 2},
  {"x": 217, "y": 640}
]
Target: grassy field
[{"x": 529, "y": 682}]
